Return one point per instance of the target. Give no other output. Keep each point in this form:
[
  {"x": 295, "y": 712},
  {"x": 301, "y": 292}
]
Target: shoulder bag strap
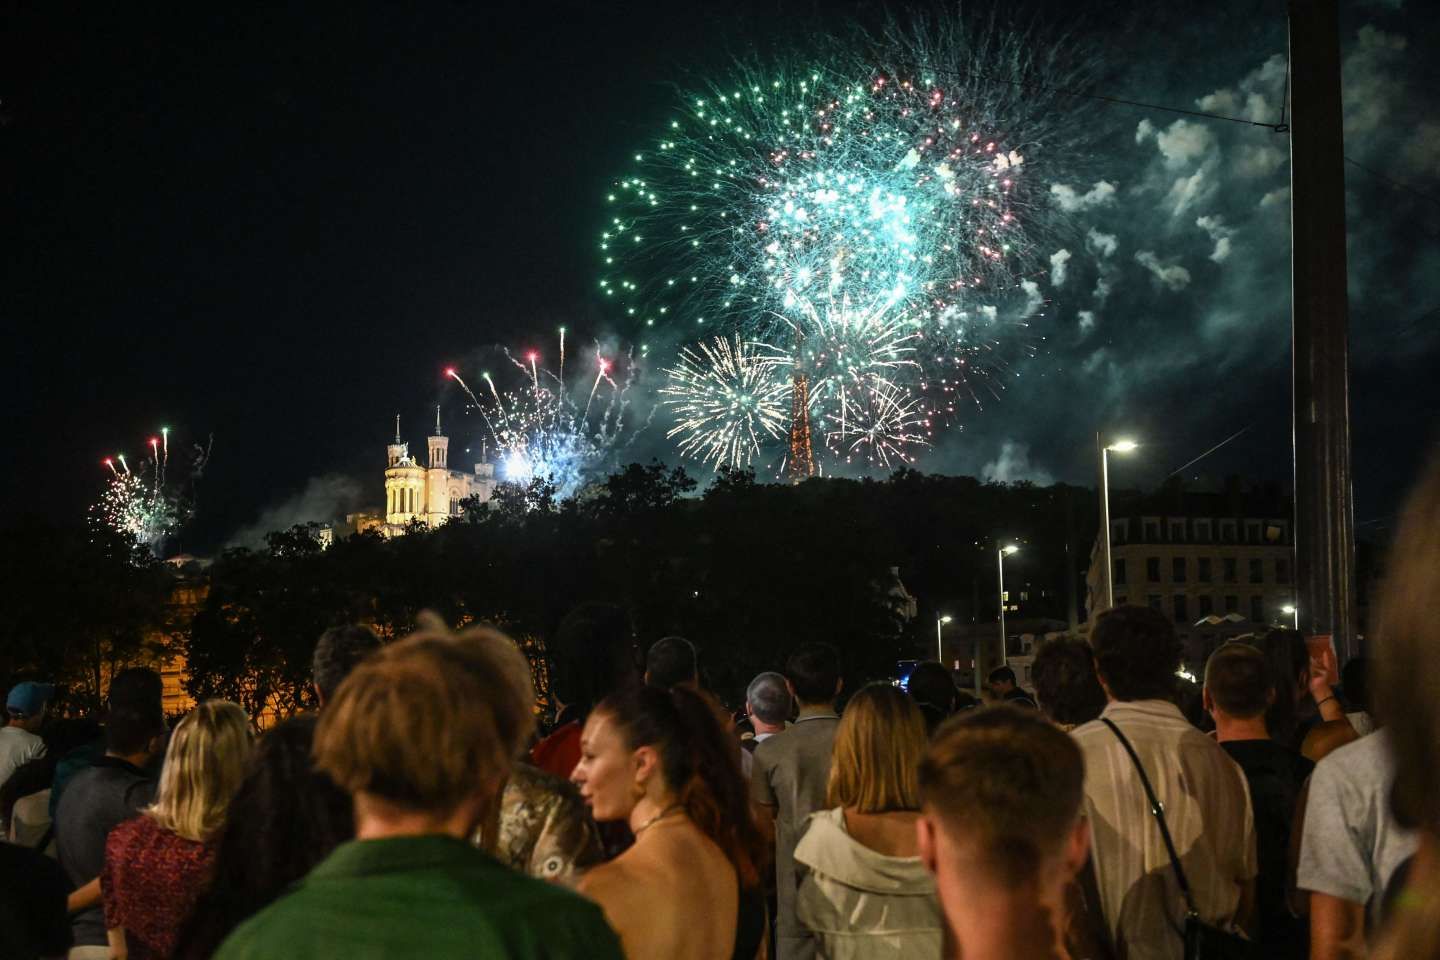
[{"x": 1159, "y": 812}]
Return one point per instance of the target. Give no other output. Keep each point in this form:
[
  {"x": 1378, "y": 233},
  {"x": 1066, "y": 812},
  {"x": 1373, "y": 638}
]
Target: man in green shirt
[{"x": 423, "y": 735}]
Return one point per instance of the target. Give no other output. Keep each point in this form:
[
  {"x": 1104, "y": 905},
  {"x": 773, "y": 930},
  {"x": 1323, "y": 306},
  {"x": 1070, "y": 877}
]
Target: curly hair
[
  {"x": 1136, "y": 653},
  {"x": 1065, "y": 682}
]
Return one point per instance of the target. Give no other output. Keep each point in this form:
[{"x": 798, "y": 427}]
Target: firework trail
[
  {"x": 147, "y": 507},
  {"x": 894, "y": 181},
  {"x": 541, "y": 430}
]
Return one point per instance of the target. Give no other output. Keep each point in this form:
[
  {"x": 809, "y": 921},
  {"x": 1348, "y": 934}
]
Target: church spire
[
  {"x": 397, "y": 428},
  {"x": 437, "y": 419}
]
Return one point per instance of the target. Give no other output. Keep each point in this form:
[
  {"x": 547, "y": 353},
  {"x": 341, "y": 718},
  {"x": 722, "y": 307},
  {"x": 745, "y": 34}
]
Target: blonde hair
[
  {"x": 1407, "y": 636},
  {"x": 874, "y": 765},
  {"x": 426, "y": 721},
  {"x": 204, "y": 765}
]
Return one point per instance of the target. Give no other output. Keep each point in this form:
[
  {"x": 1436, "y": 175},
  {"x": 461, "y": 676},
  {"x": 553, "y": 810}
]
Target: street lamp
[
  {"x": 1000, "y": 556},
  {"x": 1294, "y": 613},
  {"x": 939, "y": 650},
  {"x": 1119, "y": 446}
]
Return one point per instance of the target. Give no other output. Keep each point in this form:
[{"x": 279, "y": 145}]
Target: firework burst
[
  {"x": 141, "y": 502},
  {"x": 547, "y": 428},
  {"x": 896, "y": 181},
  {"x": 728, "y": 398}
]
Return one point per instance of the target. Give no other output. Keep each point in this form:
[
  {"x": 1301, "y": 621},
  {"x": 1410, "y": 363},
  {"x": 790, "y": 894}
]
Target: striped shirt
[{"x": 1207, "y": 808}]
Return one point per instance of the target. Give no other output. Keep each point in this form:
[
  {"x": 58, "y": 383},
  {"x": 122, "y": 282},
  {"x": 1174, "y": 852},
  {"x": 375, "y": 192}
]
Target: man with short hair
[
  {"x": 933, "y": 689},
  {"x": 98, "y": 799},
  {"x": 768, "y": 705},
  {"x": 410, "y": 884},
  {"x": 1001, "y": 830},
  {"x": 671, "y": 662},
  {"x": 1239, "y": 688},
  {"x": 20, "y": 741},
  {"x": 1203, "y": 794},
  {"x": 790, "y": 775},
  {"x": 337, "y": 652},
  {"x": 1002, "y": 681}
]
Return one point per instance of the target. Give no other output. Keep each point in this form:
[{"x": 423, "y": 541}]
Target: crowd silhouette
[{"x": 420, "y": 811}]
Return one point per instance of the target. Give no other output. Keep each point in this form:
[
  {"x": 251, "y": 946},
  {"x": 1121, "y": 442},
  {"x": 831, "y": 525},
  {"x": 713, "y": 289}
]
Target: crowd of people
[{"x": 418, "y": 811}]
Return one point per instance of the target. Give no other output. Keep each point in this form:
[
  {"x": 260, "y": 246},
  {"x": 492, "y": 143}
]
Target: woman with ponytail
[{"x": 660, "y": 761}]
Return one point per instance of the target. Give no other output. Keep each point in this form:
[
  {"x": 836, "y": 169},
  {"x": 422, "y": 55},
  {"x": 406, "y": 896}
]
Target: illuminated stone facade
[{"x": 428, "y": 494}]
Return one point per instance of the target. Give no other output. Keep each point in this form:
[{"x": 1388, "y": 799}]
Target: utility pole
[{"x": 1324, "y": 512}]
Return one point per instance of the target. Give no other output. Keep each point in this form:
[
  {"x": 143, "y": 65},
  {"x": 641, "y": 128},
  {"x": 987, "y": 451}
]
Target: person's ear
[
  {"x": 319, "y": 695},
  {"x": 926, "y": 842},
  {"x": 839, "y": 685},
  {"x": 1207, "y": 701},
  {"x": 645, "y": 763},
  {"x": 1269, "y": 698}
]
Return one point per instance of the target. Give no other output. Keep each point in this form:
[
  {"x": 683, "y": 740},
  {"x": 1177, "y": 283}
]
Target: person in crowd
[
  {"x": 864, "y": 892},
  {"x": 20, "y": 740},
  {"x": 156, "y": 864},
  {"x": 1238, "y": 690},
  {"x": 934, "y": 691},
  {"x": 592, "y": 656},
  {"x": 422, "y": 735},
  {"x": 1355, "y": 685},
  {"x": 1203, "y": 793},
  {"x": 33, "y": 921},
  {"x": 134, "y": 689},
  {"x": 337, "y": 652},
  {"x": 1406, "y": 636},
  {"x": 1003, "y": 683},
  {"x": 768, "y": 705},
  {"x": 671, "y": 662},
  {"x": 545, "y": 829},
  {"x": 25, "y": 797},
  {"x": 110, "y": 791},
  {"x": 1351, "y": 844},
  {"x": 1311, "y": 700},
  {"x": 1001, "y": 829},
  {"x": 790, "y": 778},
  {"x": 1066, "y": 687},
  {"x": 285, "y": 818},
  {"x": 661, "y": 761}
]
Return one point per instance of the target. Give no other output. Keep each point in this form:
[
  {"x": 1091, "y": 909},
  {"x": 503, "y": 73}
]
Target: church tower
[
  {"x": 404, "y": 483},
  {"x": 437, "y": 479}
]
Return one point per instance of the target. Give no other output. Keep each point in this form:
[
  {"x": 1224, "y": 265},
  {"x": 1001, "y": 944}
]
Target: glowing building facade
[{"x": 433, "y": 493}]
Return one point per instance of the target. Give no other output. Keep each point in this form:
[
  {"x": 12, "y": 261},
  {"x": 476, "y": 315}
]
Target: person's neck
[
  {"x": 761, "y": 727},
  {"x": 817, "y": 709},
  {"x": 1024, "y": 923},
  {"x": 1239, "y": 728},
  {"x": 651, "y": 810},
  {"x": 134, "y": 759},
  {"x": 379, "y": 819}
]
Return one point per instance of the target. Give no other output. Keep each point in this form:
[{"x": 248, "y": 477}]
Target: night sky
[{"x": 279, "y": 227}]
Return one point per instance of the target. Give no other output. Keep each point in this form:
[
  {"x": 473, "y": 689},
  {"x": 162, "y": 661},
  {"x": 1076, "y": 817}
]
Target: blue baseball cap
[{"x": 28, "y": 698}]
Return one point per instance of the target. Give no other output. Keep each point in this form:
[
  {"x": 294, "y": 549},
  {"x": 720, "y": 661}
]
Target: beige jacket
[{"x": 863, "y": 905}]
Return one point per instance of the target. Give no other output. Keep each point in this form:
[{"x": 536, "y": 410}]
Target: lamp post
[
  {"x": 1119, "y": 446},
  {"x": 1294, "y": 613},
  {"x": 939, "y": 649},
  {"x": 1000, "y": 556}
]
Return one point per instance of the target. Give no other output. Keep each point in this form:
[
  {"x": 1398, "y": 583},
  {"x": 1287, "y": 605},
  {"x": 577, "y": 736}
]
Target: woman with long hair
[
  {"x": 285, "y": 818},
  {"x": 157, "y": 863},
  {"x": 661, "y": 761},
  {"x": 864, "y": 891}
]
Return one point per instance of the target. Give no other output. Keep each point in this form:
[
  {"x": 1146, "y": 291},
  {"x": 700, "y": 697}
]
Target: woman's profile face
[{"x": 606, "y": 771}]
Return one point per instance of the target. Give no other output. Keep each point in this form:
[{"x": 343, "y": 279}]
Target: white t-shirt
[
  {"x": 1207, "y": 808},
  {"x": 17, "y": 748},
  {"x": 1352, "y": 844}
]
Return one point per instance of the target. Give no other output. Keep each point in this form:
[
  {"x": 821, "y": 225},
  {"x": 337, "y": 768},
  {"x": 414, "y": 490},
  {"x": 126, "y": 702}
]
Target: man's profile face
[{"x": 1003, "y": 687}]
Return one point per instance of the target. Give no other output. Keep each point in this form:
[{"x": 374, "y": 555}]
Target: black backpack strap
[{"x": 1159, "y": 811}]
